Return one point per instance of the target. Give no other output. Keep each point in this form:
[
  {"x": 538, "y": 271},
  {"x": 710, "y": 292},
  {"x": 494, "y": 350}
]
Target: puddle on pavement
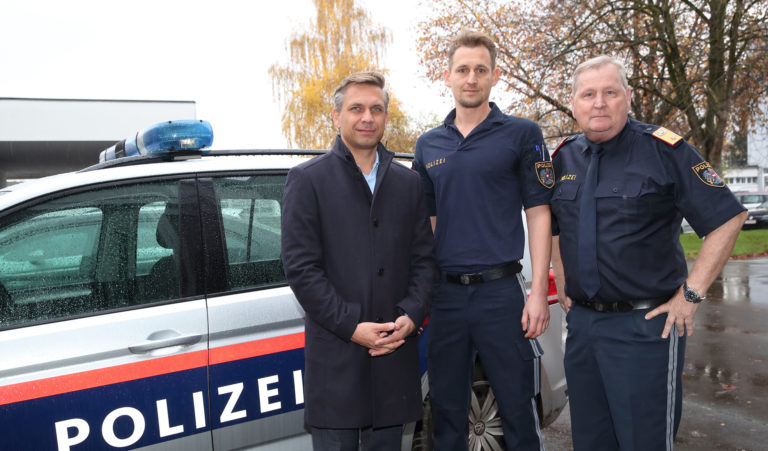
[{"x": 724, "y": 376}]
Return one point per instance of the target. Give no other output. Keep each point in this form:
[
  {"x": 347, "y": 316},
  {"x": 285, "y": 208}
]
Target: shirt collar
[
  {"x": 370, "y": 178},
  {"x": 375, "y": 167},
  {"x": 494, "y": 116}
]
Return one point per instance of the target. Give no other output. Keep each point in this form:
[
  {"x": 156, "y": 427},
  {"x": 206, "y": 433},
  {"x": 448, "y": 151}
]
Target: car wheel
[
  {"x": 485, "y": 432},
  {"x": 485, "y": 429}
]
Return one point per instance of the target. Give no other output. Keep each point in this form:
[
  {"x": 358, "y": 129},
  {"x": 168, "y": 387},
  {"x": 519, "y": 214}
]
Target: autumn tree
[
  {"x": 341, "y": 40},
  {"x": 696, "y": 66}
]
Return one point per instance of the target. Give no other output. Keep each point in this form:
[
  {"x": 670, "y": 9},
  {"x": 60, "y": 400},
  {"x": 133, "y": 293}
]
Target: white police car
[{"x": 143, "y": 305}]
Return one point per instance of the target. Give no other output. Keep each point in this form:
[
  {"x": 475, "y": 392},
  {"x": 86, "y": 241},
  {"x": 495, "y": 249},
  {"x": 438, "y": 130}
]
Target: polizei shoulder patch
[
  {"x": 667, "y": 136},
  {"x": 707, "y": 174},
  {"x": 545, "y": 173}
]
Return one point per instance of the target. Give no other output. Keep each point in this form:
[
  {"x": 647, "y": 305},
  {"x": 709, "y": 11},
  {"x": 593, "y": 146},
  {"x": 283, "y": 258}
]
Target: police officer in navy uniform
[
  {"x": 480, "y": 169},
  {"x": 622, "y": 189}
]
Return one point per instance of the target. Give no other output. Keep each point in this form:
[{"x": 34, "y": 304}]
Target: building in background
[
  {"x": 757, "y": 155},
  {"x": 745, "y": 179},
  {"x": 40, "y": 137}
]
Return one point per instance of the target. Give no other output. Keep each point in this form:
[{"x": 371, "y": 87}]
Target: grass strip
[{"x": 750, "y": 243}]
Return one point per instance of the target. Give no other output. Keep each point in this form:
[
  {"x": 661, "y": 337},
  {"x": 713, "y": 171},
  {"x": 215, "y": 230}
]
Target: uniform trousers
[
  {"x": 624, "y": 380},
  {"x": 482, "y": 320},
  {"x": 364, "y": 439}
]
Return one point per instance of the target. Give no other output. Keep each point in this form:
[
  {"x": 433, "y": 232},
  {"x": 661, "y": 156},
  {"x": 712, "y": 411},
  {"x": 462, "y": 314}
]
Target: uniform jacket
[{"x": 351, "y": 256}]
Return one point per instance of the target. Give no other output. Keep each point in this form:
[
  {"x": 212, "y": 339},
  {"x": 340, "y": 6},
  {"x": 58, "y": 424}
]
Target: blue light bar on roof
[{"x": 164, "y": 139}]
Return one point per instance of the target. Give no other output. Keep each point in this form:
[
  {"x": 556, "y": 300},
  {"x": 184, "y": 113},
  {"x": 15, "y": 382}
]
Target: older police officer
[{"x": 622, "y": 190}]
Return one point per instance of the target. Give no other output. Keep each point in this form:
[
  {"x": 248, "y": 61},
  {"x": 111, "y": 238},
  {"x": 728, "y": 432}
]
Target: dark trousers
[
  {"x": 624, "y": 380},
  {"x": 365, "y": 439},
  {"x": 483, "y": 320}
]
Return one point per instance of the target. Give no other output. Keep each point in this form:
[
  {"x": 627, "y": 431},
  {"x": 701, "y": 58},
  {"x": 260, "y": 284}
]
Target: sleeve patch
[
  {"x": 545, "y": 173},
  {"x": 707, "y": 174},
  {"x": 667, "y": 136}
]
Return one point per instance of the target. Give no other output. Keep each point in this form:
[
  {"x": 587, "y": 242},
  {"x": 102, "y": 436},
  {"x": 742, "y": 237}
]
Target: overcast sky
[{"x": 216, "y": 53}]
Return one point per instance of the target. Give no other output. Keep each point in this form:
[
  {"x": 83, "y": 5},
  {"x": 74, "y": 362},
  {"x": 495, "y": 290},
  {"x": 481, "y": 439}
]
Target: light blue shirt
[{"x": 371, "y": 178}]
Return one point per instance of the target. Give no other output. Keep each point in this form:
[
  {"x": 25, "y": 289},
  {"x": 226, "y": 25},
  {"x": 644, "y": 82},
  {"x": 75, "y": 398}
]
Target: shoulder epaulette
[
  {"x": 563, "y": 142},
  {"x": 668, "y": 136}
]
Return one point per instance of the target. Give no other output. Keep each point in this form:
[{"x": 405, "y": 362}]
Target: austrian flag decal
[
  {"x": 545, "y": 173},
  {"x": 708, "y": 175}
]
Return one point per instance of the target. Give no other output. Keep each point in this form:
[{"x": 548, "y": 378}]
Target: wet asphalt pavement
[{"x": 725, "y": 380}]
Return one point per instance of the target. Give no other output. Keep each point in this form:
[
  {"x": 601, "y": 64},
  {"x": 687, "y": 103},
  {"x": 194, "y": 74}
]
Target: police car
[{"x": 143, "y": 305}]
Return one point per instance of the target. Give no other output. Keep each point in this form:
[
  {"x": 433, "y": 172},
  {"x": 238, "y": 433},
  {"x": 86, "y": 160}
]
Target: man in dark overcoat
[{"x": 358, "y": 253}]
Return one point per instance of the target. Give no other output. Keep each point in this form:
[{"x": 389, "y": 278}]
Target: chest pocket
[
  {"x": 565, "y": 191},
  {"x": 619, "y": 188},
  {"x": 622, "y": 196}
]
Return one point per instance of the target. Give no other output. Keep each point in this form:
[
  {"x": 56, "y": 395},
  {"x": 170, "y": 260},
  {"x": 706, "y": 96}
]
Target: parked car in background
[
  {"x": 757, "y": 216},
  {"x": 752, "y": 199},
  {"x": 143, "y": 305}
]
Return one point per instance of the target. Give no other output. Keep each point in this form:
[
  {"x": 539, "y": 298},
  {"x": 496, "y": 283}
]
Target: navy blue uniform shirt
[
  {"x": 648, "y": 180},
  {"x": 478, "y": 185}
]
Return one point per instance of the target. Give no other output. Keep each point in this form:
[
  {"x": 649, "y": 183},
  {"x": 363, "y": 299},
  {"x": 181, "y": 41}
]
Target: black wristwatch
[{"x": 691, "y": 295}]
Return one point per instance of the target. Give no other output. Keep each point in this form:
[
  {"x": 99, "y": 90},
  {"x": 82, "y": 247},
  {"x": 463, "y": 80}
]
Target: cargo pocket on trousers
[{"x": 529, "y": 348}]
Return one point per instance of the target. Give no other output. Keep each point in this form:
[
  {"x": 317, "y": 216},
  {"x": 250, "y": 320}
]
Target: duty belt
[
  {"x": 497, "y": 272},
  {"x": 623, "y": 306}
]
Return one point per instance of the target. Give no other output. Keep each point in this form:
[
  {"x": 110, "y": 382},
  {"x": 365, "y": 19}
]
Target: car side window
[
  {"x": 83, "y": 253},
  {"x": 250, "y": 210}
]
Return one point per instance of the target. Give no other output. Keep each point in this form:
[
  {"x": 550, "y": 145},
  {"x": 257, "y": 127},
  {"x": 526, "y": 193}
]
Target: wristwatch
[{"x": 691, "y": 295}]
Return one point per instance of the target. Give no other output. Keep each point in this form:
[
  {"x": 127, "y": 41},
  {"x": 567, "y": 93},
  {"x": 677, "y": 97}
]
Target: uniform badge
[
  {"x": 545, "y": 173},
  {"x": 667, "y": 136},
  {"x": 708, "y": 175}
]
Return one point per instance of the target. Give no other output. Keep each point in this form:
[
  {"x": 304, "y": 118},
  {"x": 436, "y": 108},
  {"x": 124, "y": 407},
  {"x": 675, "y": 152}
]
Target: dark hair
[{"x": 471, "y": 39}]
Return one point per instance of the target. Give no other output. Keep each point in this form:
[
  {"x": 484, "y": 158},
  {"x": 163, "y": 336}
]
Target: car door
[
  {"x": 256, "y": 324},
  {"x": 103, "y": 326}
]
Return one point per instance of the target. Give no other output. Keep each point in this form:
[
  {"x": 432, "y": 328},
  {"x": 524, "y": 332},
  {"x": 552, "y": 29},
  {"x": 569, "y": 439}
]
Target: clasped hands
[{"x": 383, "y": 338}]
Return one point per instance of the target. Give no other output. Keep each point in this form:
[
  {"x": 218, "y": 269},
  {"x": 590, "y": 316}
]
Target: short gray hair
[
  {"x": 362, "y": 78},
  {"x": 596, "y": 63}
]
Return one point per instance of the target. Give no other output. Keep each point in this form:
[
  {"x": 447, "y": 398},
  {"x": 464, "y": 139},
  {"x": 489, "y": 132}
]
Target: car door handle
[{"x": 182, "y": 340}]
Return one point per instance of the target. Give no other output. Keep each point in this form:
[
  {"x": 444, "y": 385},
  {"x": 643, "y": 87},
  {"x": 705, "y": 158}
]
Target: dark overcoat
[{"x": 350, "y": 257}]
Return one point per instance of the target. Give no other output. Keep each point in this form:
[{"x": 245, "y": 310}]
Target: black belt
[
  {"x": 623, "y": 306},
  {"x": 498, "y": 272}
]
